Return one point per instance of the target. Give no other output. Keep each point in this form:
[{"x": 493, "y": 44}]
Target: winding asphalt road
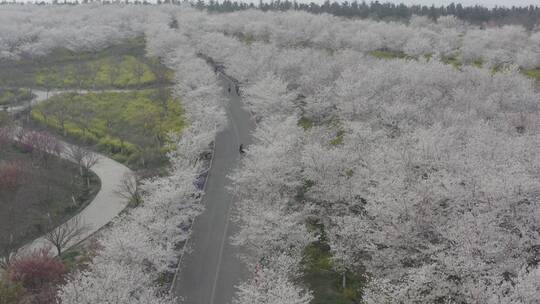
[
  {"x": 106, "y": 205},
  {"x": 210, "y": 267}
]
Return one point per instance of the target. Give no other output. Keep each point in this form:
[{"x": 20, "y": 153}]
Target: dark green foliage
[
  {"x": 320, "y": 274},
  {"x": 527, "y": 16},
  {"x": 533, "y": 73},
  {"x": 305, "y": 123}
]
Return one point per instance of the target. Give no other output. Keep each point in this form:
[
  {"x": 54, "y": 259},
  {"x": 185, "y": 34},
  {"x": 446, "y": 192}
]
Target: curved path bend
[
  {"x": 107, "y": 204},
  {"x": 210, "y": 268},
  {"x": 103, "y": 208},
  {"x": 40, "y": 96}
]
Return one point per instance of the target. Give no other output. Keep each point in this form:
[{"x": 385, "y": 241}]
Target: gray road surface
[{"x": 210, "y": 270}]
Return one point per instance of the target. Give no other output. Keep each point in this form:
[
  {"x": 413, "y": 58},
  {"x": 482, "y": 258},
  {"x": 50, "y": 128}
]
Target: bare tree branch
[
  {"x": 62, "y": 235},
  {"x": 129, "y": 189}
]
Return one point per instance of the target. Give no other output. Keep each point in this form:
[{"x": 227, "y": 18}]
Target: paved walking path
[
  {"x": 211, "y": 269},
  {"x": 107, "y": 204},
  {"x": 40, "y": 96}
]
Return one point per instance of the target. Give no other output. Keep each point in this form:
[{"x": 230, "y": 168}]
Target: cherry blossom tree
[
  {"x": 141, "y": 245},
  {"x": 423, "y": 174},
  {"x": 269, "y": 96},
  {"x": 385, "y": 147},
  {"x": 273, "y": 284},
  {"x": 106, "y": 281}
]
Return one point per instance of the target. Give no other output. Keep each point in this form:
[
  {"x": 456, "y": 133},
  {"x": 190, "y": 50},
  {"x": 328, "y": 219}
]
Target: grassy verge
[
  {"x": 77, "y": 258},
  {"x": 130, "y": 127},
  {"x": 322, "y": 278},
  {"x": 10, "y": 97},
  {"x": 119, "y": 66},
  {"x": 532, "y": 73},
  {"x": 305, "y": 123},
  {"x": 117, "y": 72},
  {"x": 385, "y": 54},
  {"x": 453, "y": 60}
]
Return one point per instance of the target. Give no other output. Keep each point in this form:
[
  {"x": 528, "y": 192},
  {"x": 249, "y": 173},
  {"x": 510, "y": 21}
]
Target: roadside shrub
[
  {"x": 12, "y": 292},
  {"x": 115, "y": 146},
  {"x": 5, "y": 136},
  {"x": 39, "y": 273},
  {"x": 13, "y": 175},
  {"x": 14, "y": 96},
  {"x": 120, "y": 158}
]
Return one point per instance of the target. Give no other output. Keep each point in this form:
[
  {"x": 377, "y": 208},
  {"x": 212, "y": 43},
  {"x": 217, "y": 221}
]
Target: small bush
[
  {"x": 12, "y": 292},
  {"x": 305, "y": 123},
  {"x": 39, "y": 273},
  {"x": 14, "y": 96},
  {"x": 533, "y": 73}
]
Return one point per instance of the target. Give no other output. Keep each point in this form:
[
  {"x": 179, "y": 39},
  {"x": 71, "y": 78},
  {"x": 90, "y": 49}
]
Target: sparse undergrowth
[
  {"x": 14, "y": 96},
  {"x": 453, "y": 60},
  {"x": 321, "y": 276},
  {"x": 533, "y": 73},
  {"x": 130, "y": 127},
  {"x": 386, "y": 54},
  {"x": 122, "y": 65},
  {"x": 51, "y": 190}
]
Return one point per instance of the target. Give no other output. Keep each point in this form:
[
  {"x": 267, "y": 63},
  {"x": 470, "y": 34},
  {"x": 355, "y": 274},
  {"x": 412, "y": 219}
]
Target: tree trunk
[
  {"x": 63, "y": 127},
  {"x": 344, "y": 281}
]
